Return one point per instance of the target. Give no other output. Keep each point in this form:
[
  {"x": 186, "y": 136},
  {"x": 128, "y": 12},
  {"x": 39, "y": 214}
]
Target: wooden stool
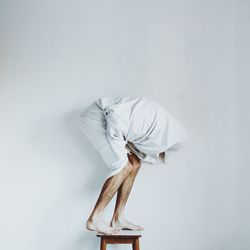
[{"x": 123, "y": 237}]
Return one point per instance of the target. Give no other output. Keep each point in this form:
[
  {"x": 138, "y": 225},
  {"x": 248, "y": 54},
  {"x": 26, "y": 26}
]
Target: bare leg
[
  {"x": 111, "y": 185},
  {"x": 118, "y": 221}
]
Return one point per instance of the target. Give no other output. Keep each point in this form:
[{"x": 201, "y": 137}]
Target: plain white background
[{"x": 59, "y": 56}]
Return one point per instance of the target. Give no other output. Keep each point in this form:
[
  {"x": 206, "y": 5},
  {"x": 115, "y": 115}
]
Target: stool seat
[{"x": 122, "y": 237}]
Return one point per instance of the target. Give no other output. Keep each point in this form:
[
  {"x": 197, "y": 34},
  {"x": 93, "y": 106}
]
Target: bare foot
[
  {"x": 100, "y": 226},
  {"x": 125, "y": 225}
]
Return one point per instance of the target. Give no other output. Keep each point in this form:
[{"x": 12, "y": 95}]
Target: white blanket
[{"x": 118, "y": 125}]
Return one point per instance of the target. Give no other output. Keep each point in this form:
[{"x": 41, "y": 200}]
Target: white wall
[{"x": 58, "y": 56}]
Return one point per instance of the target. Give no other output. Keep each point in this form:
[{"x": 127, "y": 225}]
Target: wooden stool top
[{"x": 121, "y": 234}]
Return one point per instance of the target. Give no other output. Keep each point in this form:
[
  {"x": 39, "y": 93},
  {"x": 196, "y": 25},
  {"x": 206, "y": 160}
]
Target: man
[{"x": 127, "y": 131}]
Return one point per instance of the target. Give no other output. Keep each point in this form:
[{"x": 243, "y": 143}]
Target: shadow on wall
[
  {"x": 86, "y": 240},
  {"x": 71, "y": 186},
  {"x": 97, "y": 168}
]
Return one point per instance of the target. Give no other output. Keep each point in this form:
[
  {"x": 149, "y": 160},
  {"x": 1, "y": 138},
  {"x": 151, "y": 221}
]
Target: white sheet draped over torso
[{"x": 142, "y": 125}]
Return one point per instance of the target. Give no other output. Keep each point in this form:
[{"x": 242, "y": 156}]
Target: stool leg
[
  {"x": 136, "y": 244},
  {"x": 103, "y": 244}
]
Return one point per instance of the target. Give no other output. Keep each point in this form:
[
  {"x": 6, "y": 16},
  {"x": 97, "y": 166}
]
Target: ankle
[
  {"x": 117, "y": 218},
  {"x": 95, "y": 217}
]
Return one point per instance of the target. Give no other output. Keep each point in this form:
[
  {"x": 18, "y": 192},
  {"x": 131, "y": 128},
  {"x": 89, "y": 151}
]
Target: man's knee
[
  {"x": 132, "y": 168},
  {"x": 134, "y": 160},
  {"x": 136, "y": 165},
  {"x": 129, "y": 167}
]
